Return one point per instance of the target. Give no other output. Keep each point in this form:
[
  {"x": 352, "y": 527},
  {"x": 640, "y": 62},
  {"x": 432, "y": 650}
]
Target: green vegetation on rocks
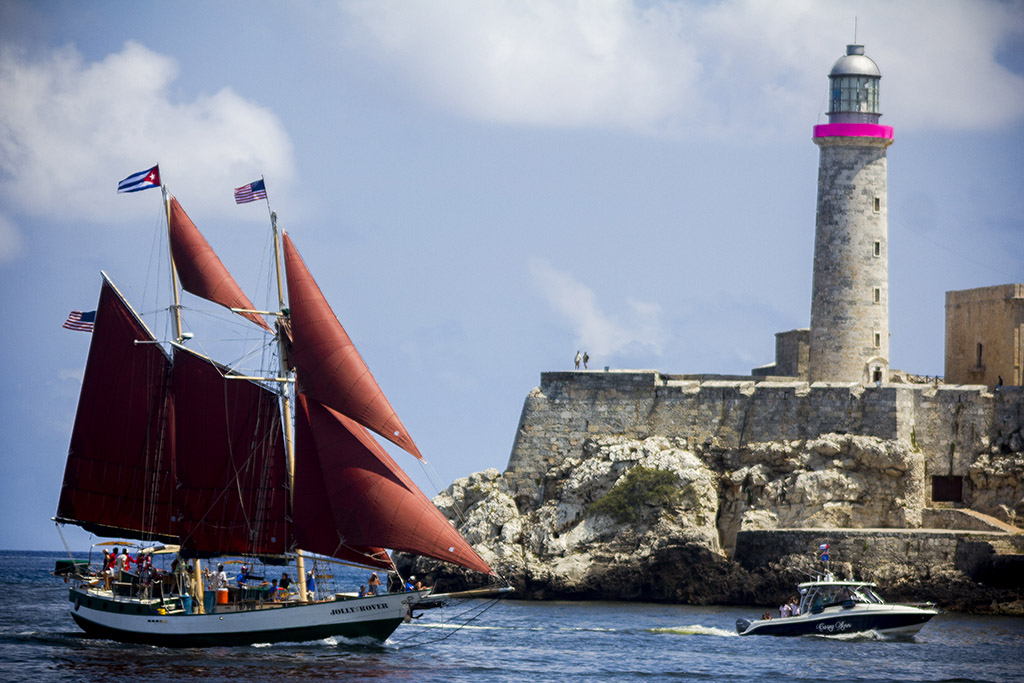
[{"x": 641, "y": 488}]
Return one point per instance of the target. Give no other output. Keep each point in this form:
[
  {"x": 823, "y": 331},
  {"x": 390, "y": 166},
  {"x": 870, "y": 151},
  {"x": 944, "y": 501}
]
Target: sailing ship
[{"x": 172, "y": 447}]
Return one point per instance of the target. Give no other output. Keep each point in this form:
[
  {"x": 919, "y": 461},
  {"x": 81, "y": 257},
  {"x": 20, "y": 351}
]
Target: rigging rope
[{"x": 480, "y": 610}]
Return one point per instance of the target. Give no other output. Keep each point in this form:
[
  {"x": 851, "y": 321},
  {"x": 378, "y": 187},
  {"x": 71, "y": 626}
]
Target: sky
[{"x": 483, "y": 188}]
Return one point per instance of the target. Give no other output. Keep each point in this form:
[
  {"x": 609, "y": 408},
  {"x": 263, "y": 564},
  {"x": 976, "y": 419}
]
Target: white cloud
[
  {"x": 601, "y": 62},
  {"x": 723, "y": 68},
  {"x": 601, "y": 333},
  {"x": 69, "y": 130}
]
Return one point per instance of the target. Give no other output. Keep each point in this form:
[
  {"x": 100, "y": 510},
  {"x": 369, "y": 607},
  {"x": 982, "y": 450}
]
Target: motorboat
[{"x": 831, "y": 607}]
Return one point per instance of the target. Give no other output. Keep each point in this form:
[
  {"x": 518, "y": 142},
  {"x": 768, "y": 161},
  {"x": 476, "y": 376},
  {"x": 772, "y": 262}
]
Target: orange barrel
[{"x": 222, "y": 596}]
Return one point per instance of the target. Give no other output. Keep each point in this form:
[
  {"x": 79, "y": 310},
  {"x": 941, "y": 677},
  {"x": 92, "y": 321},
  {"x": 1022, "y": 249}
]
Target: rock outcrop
[{"x": 587, "y": 536}]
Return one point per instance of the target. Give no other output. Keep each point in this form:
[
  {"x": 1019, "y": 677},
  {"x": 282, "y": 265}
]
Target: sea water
[{"x": 506, "y": 640}]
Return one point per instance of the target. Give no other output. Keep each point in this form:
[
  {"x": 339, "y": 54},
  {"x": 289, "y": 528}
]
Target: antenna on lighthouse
[{"x": 855, "y": 29}]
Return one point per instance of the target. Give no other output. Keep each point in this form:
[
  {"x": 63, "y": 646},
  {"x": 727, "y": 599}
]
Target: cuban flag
[
  {"x": 143, "y": 180},
  {"x": 823, "y": 546}
]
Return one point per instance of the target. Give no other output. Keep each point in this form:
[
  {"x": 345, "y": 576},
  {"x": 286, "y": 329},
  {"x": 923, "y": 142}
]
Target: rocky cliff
[{"x": 659, "y": 519}]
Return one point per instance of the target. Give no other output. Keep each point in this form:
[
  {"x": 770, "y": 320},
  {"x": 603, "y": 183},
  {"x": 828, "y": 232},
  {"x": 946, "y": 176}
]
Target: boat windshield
[
  {"x": 816, "y": 598},
  {"x": 865, "y": 594}
]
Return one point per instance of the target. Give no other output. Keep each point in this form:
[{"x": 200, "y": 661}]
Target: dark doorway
[{"x": 947, "y": 489}]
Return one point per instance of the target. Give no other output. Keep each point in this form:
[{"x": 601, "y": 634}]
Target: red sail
[
  {"x": 313, "y": 527},
  {"x": 199, "y": 268},
  {"x": 371, "y": 500},
  {"x": 328, "y": 367},
  {"x": 117, "y": 480},
  {"x": 231, "y": 495}
]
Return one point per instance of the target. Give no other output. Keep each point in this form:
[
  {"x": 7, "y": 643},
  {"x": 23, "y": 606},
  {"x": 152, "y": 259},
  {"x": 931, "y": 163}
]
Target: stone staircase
[{"x": 969, "y": 520}]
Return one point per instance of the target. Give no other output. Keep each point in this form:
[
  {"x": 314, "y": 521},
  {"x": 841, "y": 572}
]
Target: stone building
[
  {"x": 791, "y": 353},
  {"x": 985, "y": 336},
  {"x": 849, "y": 339}
]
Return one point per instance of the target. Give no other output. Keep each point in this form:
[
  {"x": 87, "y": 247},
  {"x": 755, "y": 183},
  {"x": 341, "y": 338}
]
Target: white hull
[{"x": 132, "y": 620}]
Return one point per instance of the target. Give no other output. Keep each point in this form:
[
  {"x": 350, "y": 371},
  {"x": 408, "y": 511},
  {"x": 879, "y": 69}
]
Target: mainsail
[
  {"x": 371, "y": 501},
  {"x": 328, "y": 367},
  {"x": 230, "y": 494},
  {"x": 117, "y": 480},
  {"x": 201, "y": 270}
]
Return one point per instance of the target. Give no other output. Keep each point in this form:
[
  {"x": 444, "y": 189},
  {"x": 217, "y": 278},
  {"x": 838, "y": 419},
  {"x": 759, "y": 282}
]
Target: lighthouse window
[
  {"x": 878, "y": 248},
  {"x": 878, "y": 340},
  {"x": 878, "y": 204},
  {"x": 855, "y": 94},
  {"x": 878, "y": 297}
]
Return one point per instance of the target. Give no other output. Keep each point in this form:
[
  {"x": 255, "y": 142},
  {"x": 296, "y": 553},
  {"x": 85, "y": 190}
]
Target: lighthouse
[{"x": 849, "y": 335}]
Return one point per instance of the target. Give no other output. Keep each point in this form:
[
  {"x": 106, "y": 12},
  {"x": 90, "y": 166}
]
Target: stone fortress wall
[{"x": 951, "y": 426}]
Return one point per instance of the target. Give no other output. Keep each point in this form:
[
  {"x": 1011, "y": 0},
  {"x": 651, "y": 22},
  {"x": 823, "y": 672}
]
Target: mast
[
  {"x": 176, "y": 306},
  {"x": 286, "y": 406},
  {"x": 197, "y": 569}
]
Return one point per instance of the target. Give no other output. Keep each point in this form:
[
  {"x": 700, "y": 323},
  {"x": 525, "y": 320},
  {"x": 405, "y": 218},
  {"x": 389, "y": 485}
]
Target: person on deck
[
  {"x": 145, "y": 567},
  {"x": 794, "y": 607},
  {"x": 124, "y": 561},
  {"x": 108, "y": 563},
  {"x": 373, "y": 584},
  {"x": 786, "y": 610},
  {"x": 220, "y": 579}
]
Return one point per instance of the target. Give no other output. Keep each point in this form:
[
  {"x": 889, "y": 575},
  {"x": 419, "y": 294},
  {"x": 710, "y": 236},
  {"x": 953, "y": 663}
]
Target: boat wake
[
  {"x": 867, "y": 635},
  {"x": 458, "y": 626},
  {"x": 695, "y": 630}
]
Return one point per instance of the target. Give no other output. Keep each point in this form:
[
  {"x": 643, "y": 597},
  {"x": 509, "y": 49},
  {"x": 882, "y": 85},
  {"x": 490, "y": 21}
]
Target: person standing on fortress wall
[
  {"x": 578, "y": 359},
  {"x": 586, "y": 359}
]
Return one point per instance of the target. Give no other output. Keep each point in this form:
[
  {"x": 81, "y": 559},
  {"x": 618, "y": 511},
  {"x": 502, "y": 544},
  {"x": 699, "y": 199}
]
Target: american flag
[
  {"x": 251, "y": 192},
  {"x": 83, "y": 322}
]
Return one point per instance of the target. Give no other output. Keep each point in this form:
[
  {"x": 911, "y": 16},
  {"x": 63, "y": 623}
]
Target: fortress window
[
  {"x": 878, "y": 204},
  {"x": 878, "y": 340},
  {"x": 980, "y": 349},
  {"x": 878, "y": 248},
  {"x": 947, "y": 489},
  {"x": 878, "y": 295}
]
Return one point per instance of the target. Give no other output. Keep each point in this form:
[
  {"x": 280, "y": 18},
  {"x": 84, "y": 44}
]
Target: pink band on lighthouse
[{"x": 853, "y": 130}]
